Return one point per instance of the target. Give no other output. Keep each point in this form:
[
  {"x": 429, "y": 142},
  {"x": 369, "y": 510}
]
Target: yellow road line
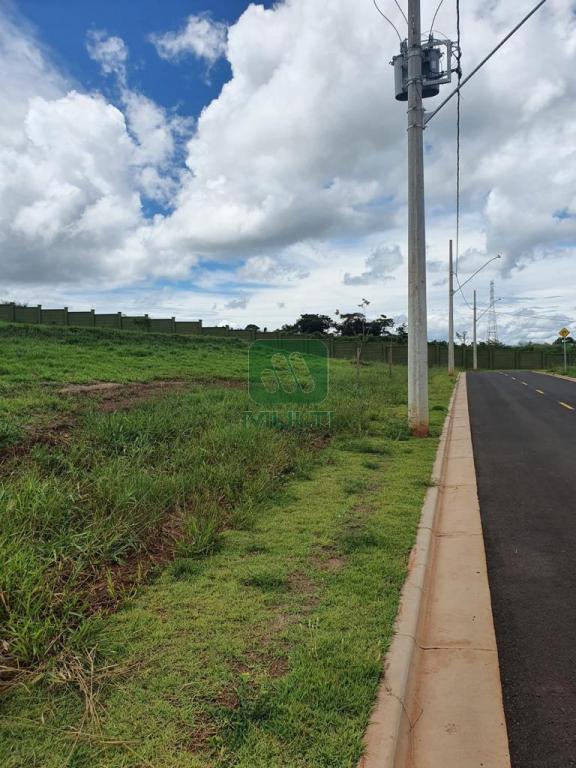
[
  {"x": 570, "y": 407},
  {"x": 539, "y": 391}
]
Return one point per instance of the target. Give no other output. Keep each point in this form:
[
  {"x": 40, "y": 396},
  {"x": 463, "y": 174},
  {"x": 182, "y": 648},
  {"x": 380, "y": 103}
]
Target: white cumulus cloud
[
  {"x": 200, "y": 37},
  {"x": 297, "y": 170},
  {"x": 75, "y": 169},
  {"x": 378, "y": 267},
  {"x": 109, "y": 51}
]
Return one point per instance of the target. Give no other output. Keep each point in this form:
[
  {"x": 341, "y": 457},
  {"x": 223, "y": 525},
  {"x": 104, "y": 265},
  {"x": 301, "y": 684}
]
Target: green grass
[
  {"x": 257, "y": 639},
  {"x": 37, "y": 361},
  {"x": 570, "y": 371},
  {"x": 35, "y": 353}
]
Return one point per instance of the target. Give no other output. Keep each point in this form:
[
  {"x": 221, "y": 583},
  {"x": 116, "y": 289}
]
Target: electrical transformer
[{"x": 432, "y": 74}]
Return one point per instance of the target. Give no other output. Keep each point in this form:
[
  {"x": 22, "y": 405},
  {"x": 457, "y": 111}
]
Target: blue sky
[
  {"x": 63, "y": 24},
  {"x": 250, "y": 164}
]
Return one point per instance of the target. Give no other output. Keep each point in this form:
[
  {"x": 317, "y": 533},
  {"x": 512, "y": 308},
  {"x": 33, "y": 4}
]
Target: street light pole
[
  {"x": 474, "y": 344},
  {"x": 417, "y": 320},
  {"x": 450, "y": 313}
]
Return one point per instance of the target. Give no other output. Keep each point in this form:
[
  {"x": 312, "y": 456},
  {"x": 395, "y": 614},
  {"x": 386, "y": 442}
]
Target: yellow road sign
[{"x": 564, "y": 332}]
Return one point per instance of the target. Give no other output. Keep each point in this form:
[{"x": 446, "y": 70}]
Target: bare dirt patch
[
  {"x": 79, "y": 389},
  {"x": 110, "y": 397},
  {"x": 110, "y": 585},
  {"x": 301, "y": 583},
  {"x": 202, "y": 736},
  {"x": 328, "y": 558},
  {"x": 51, "y": 436},
  {"x": 113, "y": 396}
]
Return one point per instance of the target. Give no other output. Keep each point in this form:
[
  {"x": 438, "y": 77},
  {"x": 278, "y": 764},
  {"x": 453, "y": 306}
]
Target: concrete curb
[
  {"x": 556, "y": 375},
  {"x": 385, "y": 737}
]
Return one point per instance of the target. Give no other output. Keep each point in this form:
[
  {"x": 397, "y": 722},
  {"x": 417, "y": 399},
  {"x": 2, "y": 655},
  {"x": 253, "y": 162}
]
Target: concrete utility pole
[
  {"x": 417, "y": 315},
  {"x": 474, "y": 341},
  {"x": 418, "y": 75},
  {"x": 450, "y": 313}
]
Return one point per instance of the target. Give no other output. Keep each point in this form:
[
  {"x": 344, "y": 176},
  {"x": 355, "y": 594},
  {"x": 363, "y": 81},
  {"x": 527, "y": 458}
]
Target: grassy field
[
  {"x": 570, "y": 371},
  {"x": 181, "y": 586}
]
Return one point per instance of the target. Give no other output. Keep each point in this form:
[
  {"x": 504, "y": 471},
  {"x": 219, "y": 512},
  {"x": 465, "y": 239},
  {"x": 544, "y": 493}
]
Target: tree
[
  {"x": 380, "y": 327},
  {"x": 352, "y": 324},
  {"x": 310, "y": 324},
  {"x": 356, "y": 324},
  {"x": 402, "y": 334},
  {"x": 252, "y": 327}
]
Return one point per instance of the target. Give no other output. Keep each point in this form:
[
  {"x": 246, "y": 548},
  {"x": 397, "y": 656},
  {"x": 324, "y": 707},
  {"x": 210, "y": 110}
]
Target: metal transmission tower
[{"x": 492, "y": 337}]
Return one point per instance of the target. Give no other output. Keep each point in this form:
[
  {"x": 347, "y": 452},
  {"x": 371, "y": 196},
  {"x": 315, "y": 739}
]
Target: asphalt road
[{"x": 524, "y": 436}]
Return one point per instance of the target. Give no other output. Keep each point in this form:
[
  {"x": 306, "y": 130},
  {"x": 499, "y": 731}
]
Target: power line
[
  {"x": 439, "y": 31},
  {"x": 394, "y": 27},
  {"x": 459, "y": 72},
  {"x": 471, "y": 277},
  {"x": 538, "y": 317},
  {"x": 461, "y": 292},
  {"x": 484, "y": 60},
  {"x": 402, "y": 10},
  {"x": 434, "y": 17},
  {"x": 532, "y": 316},
  {"x": 488, "y": 308}
]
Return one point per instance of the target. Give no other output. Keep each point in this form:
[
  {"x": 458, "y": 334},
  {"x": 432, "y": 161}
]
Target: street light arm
[
  {"x": 486, "y": 310},
  {"x": 461, "y": 285}
]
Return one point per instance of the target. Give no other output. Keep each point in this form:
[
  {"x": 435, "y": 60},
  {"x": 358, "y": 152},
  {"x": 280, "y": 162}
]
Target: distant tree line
[
  {"x": 357, "y": 324},
  {"x": 347, "y": 324}
]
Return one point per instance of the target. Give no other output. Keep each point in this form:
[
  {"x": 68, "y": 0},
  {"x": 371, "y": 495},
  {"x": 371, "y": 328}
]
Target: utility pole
[
  {"x": 474, "y": 341},
  {"x": 491, "y": 308},
  {"x": 417, "y": 314},
  {"x": 450, "y": 313},
  {"x": 418, "y": 75}
]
